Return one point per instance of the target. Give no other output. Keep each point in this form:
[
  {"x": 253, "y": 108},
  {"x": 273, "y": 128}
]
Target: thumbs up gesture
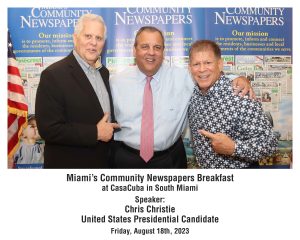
[
  {"x": 105, "y": 128},
  {"x": 220, "y": 142}
]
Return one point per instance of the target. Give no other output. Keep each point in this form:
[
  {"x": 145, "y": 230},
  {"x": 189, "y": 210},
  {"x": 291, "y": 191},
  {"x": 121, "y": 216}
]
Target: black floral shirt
[{"x": 219, "y": 110}]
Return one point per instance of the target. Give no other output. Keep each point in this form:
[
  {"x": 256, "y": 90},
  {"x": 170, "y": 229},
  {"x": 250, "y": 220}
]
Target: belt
[{"x": 156, "y": 153}]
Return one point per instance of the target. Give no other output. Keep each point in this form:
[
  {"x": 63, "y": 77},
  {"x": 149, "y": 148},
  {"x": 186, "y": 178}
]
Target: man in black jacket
[{"x": 74, "y": 109}]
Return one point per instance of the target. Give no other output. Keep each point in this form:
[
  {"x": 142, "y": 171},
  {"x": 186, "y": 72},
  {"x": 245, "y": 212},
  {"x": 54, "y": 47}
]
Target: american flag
[{"x": 17, "y": 105}]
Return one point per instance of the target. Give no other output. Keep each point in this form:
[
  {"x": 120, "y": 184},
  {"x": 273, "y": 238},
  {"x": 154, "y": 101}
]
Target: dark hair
[
  {"x": 149, "y": 29},
  {"x": 30, "y": 117},
  {"x": 201, "y": 45}
]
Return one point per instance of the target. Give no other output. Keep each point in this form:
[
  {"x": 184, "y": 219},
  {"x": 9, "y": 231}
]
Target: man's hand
[
  {"x": 242, "y": 86},
  {"x": 105, "y": 129},
  {"x": 220, "y": 142}
]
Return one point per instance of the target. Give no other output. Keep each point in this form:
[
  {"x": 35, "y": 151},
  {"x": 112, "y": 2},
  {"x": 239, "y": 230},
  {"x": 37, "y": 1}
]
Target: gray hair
[{"x": 88, "y": 17}]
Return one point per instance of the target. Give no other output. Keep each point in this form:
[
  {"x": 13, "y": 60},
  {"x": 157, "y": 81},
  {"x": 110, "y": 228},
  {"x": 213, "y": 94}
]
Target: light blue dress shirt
[
  {"x": 96, "y": 81},
  {"x": 172, "y": 88}
]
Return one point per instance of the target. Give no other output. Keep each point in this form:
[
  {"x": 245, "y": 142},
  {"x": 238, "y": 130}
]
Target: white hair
[{"x": 88, "y": 17}]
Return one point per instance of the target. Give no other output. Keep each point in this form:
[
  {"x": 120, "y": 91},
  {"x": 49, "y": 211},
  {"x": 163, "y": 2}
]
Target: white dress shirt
[{"x": 172, "y": 88}]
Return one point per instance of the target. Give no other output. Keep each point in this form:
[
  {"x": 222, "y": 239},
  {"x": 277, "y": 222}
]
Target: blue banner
[{"x": 48, "y": 31}]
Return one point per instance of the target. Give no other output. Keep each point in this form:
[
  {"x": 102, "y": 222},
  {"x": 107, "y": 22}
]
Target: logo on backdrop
[
  {"x": 153, "y": 16},
  {"x": 52, "y": 18},
  {"x": 251, "y": 16}
]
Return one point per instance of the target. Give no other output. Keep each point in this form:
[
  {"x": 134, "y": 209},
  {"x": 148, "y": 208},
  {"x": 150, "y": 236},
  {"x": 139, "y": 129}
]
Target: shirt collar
[
  {"x": 84, "y": 64},
  {"x": 155, "y": 77}
]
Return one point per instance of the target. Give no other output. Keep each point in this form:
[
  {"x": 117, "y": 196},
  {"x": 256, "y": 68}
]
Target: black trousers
[
  {"x": 253, "y": 165},
  {"x": 127, "y": 157}
]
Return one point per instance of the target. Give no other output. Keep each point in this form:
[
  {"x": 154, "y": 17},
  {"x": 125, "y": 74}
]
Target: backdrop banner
[{"x": 256, "y": 42}]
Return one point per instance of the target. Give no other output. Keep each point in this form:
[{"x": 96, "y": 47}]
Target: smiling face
[
  {"x": 149, "y": 52},
  {"x": 205, "y": 68},
  {"x": 89, "y": 42}
]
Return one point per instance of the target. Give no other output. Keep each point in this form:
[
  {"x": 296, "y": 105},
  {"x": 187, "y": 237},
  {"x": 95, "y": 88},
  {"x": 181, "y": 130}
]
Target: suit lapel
[
  {"x": 105, "y": 76},
  {"x": 84, "y": 82}
]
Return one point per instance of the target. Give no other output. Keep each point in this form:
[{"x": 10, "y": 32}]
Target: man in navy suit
[{"x": 74, "y": 109}]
